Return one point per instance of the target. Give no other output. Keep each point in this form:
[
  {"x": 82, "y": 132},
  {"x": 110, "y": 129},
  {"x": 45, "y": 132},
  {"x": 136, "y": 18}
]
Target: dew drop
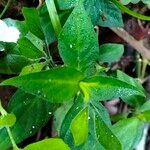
[
  {"x": 25, "y": 103},
  {"x": 38, "y": 92},
  {"x": 33, "y": 127},
  {"x": 2, "y": 49},
  {"x": 71, "y": 46},
  {"x": 89, "y": 118},
  {"x": 49, "y": 113}
]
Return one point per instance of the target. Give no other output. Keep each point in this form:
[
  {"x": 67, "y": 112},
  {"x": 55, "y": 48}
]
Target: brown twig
[
  {"x": 40, "y": 3},
  {"x": 138, "y": 45}
]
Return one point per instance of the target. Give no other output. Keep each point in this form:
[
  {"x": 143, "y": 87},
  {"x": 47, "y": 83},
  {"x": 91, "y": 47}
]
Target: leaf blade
[
  {"x": 55, "y": 85},
  {"x": 80, "y": 43}
]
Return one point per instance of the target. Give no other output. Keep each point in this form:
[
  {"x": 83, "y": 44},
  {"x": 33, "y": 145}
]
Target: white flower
[{"x": 8, "y": 34}]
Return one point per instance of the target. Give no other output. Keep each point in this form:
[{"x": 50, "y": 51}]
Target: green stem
[
  {"x": 138, "y": 65},
  {"x": 54, "y": 16},
  {"x": 49, "y": 55},
  {"x": 15, "y": 147},
  {"x": 145, "y": 63},
  {"x": 6, "y": 7},
  {"x": 130, "y": 12},
  {"x": 3, "y": 112}
]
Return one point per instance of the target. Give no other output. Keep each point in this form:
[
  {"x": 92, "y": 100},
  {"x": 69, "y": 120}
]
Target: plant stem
[
  {"x": 138, "y": 65},
  {"x": 49, "y": 55},
  {"x": 54, "y": 16},
  {"x": 15, "y": 147},
  {"x": 3, "y": 113},
  {"x": 145, "y": 63},
  {"x": 130, "y": 12},
  {"x": 6, "y": 7}
]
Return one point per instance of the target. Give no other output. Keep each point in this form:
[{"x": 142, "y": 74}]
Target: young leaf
[
  {"x": 129, "y": 132},
  {"x": 7, "y": 120},
  {"x": 145, "y": 116},
  {"x": 65, "y": 131},
  {"x": 92, "y": 137},
  {"x": 33, "y": 68},
  {"x": 110, "y": 52},
  {"x": 31, "y": 114},
  {"x": 78, "y": 41},
  {"x": 105, "y": 88},
  {"x": 33, "y": 21},
  {"x": 53, "y": 144},
  {"x": 55, "y": 85},
  {"x": 31, "y": 46},
  {"x": 79, "y": 127}
]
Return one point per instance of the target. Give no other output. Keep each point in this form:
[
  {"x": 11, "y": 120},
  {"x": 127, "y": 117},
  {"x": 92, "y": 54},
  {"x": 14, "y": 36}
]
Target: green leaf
[
  {"x": 33, "y": 68},
  {"x": 78, "y": 41},
  {"x": 46, "y": 25},
  {"x": 92, "y": 137},
  {"x": 110, "y": 52},
  {"x": 146, "y": 2},
  {"x": 105, "y": 88},
  {"x": 16, "y": 56},
  {"x": 55, "y": 85},
  {"x": 129, "y": 132},
  {"x": 7, "y": 120},
  {"x": 145, "y": 106},
  {"x": 125, "y": 78},
  {"x": 135, "y": 1},
  {"x": 132, "y": 100},
  {"x": 145, "y": 116},
  {"x": 31, "y": 113},
  {"x": 125, "y": 2},
  {"x": 53, "y": 144},
  {"x": 60, "y": 115},
  {"x": 144, "y": 112},
  {"x": 33, "y": 21},
  {"x": 104, "y": 13},
  {"x": 65, "y": 131},
  {"x": 31, "y": 46},
  {"x": 12, "y": 62},
  {"x": 79, "y": 127},
  {"x": 104, "y": 134},
  {"x": 67, "y": 4},
  {"x": 103, "y": 128},
  {"x": 102, "y": 112}
]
